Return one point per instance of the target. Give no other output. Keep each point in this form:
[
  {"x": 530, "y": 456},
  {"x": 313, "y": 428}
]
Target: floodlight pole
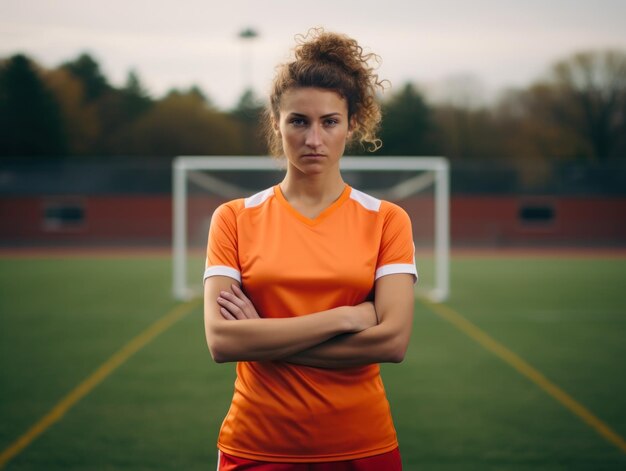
[{"x": 247, "y": 36}]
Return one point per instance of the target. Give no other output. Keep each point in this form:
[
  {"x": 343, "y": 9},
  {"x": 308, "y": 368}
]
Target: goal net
[{"x": 418, "y": 184}]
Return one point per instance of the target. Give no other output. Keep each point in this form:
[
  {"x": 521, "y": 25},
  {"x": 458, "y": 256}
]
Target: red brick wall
[{"x": 475, "y": 220}]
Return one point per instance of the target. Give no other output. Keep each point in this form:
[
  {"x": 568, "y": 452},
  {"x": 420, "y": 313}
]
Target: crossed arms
[{"x": 342, "y": 337}]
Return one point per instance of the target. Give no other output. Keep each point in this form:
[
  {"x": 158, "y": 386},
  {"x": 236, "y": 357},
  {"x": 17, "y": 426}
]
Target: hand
[
  {"x": 365, "y": 316},
  {"x": 236, "y": 305}
]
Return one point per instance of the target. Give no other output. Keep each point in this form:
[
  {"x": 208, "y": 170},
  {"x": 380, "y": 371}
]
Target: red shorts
[{"x": 389, "y": 461}]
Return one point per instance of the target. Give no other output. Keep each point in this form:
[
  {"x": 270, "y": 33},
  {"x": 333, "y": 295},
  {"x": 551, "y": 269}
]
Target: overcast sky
[{"x": 502, "y": 43}]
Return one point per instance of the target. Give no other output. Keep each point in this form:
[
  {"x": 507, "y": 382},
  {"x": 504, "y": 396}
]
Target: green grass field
[{"x": 457, "y": 406}]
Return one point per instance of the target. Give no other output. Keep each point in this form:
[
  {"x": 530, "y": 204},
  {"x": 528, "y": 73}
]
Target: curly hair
[{"x": 335, "y": 62}]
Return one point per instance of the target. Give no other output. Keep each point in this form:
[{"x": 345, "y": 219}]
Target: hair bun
[{"x": 318, "y": 45}]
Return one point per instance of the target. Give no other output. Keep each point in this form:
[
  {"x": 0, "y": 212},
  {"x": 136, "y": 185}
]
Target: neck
[{"x": 312, "y": 188}]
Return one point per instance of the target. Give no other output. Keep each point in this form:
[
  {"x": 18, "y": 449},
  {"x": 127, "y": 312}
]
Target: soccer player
[{"x": 309, "y": 284}]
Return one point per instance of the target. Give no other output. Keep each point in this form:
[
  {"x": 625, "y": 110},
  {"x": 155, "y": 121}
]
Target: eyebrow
[{"x": 300, "y": 115}]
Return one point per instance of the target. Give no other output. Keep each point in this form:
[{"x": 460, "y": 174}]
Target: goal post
[{"x": 419, "y": 184}]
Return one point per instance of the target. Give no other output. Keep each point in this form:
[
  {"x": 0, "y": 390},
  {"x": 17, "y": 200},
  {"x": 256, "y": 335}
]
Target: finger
[
  {"x": 233, "y": 299},
  {"x": 225, "y": 303},
  {"x": 227, "y": 315},
  {"x": 232, "y": 308},
  {"x": 248, "y": 308},
  {"x": 237, "y": 290}
]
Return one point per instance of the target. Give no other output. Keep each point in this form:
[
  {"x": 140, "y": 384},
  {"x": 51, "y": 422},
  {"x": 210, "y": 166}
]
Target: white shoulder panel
[
  {"x": 365, "y": 200},
  {"x": 258, "y": 199}
]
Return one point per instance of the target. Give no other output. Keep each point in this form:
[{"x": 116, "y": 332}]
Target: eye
[
  {"x": 331, "y": 122},
  {"x": 297, "y": 122}
]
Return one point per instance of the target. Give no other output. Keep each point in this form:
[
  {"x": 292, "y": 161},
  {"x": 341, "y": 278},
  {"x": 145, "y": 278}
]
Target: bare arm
[
  {"x": 256, "y": 339},
  {"x": 385, "y": 342}
]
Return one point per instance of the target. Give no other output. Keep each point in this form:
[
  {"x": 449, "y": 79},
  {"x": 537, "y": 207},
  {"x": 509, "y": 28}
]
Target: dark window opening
[
  {"x": 536, "y": 214},
  {"x": 63, "y": 215}
]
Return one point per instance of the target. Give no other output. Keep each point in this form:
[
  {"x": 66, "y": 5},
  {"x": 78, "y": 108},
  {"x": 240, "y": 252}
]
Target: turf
[{"x": 456, "y": 405}]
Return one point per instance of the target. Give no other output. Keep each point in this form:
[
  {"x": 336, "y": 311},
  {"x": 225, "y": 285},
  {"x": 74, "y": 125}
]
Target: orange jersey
[{"x": 290, "y": 265}]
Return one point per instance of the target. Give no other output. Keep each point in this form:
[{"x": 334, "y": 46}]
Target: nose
[{"x": 313, "y": 137}]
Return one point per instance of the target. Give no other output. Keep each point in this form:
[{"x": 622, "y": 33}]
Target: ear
[
  {"x": 351, "y": 127},
  {"x": 275, "y": 126}
]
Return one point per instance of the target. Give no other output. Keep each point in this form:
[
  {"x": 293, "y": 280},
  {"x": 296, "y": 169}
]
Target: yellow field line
[
  {"x": 526, "y": 370},
  {"x": 123, "y": 354}
]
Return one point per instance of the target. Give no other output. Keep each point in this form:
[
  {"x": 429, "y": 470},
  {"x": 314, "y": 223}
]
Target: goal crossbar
[{"x": 182, "y": 165}]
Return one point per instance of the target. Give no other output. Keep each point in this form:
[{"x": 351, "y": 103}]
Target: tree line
[{"x": 577, "y": 111}]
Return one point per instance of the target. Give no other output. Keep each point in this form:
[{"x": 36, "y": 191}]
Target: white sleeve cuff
[
  {"x": 397, "y": 268},
  {"x": 220, "y": 270}
]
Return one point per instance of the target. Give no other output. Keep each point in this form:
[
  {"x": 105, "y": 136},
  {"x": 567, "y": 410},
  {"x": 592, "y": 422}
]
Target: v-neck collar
[{"x": 321, "y": 216}]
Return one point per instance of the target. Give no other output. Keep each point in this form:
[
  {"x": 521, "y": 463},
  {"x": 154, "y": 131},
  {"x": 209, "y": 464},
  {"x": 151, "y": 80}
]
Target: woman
[{"x": 309, "y": 284}]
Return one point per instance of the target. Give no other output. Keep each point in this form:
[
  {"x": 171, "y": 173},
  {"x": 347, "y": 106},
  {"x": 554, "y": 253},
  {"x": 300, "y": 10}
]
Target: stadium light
[{"x": 247, "y": 35}]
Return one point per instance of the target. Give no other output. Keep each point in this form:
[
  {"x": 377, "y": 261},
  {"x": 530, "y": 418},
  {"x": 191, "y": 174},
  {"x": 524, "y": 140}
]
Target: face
[{"x": 313, "y": 125}]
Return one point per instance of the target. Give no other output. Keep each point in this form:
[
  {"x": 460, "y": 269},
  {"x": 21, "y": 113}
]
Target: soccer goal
[{"x": 419, "y": 184}]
